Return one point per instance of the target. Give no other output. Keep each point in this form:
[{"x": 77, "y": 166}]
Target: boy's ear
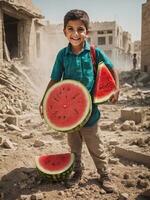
[
  {"x": 87, "y": 33},
  {"x": 64, "y": 32}
]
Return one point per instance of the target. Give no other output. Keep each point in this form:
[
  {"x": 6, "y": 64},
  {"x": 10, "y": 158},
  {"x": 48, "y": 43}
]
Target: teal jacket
[{"x": 80, "y": 68}]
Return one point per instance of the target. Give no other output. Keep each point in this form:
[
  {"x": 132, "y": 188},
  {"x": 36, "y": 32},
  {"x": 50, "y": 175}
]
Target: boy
[{"x": 74, "y": 62}]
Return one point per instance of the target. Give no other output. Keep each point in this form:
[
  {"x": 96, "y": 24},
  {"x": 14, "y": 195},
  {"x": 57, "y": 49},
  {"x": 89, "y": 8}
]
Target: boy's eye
[
  {"x": 81, "y": 29},
  {"x": 70, "y": 29}
]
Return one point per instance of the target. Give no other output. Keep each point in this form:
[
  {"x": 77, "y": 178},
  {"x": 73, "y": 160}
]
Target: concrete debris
[
  {"x": 128, "y": 125},
  {"x": 135, "y": 114},
  {"x": 133, "y": 155}
]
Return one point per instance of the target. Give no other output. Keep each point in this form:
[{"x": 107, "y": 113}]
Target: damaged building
[
  {"x": 114, "y": 41},
  {"x": 20, "y": 31},
  {"x": 145, "y": 40}
]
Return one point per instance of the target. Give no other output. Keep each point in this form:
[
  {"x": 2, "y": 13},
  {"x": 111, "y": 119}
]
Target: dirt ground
[{"x": 20, "y": 179}]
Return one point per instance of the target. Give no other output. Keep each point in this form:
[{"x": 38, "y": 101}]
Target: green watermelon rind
[
  {"x": 58, "y": 175},
  {"x": 84, "y": 118},
  {"x": 102, "y": 100}
]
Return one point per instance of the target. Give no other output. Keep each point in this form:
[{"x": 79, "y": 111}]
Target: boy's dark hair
[{"x": 77, "y": 15}]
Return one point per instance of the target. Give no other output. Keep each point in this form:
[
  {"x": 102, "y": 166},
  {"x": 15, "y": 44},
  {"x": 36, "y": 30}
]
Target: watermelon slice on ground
[
  {"x": 67, "y": 106},
  {"x": 105, "y": 84},
  {"x": 56, "y": 167}
]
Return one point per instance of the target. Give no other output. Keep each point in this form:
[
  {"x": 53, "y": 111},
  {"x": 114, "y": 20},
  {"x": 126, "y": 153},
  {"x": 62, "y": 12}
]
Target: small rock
[
  {"x": 126, "y": 176},
  {"x": 38, "y": 143},
  {"x": 37, "y": 196},
  {"x": 113, "y": 142},
  {"x": 26, "y": 135},
  {"x": 25, "y": 197},
  {"x": 61, "y": 193},
  {"x": 13, "y": 127},
  {"x": 113, "y": 160},
  {"x": 7, "y": 144},
  {"x": 123, "y": 196},
  {"x": 130, "y": 183},
  {"x": 12, "y": 120},
  {"x": 142, "y": 183}
]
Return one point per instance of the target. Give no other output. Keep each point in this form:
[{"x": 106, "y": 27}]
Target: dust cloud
[{"x": 41, "y": 70}]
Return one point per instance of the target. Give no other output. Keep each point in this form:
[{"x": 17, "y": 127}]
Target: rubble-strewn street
[{"x": 125, "y": 128}]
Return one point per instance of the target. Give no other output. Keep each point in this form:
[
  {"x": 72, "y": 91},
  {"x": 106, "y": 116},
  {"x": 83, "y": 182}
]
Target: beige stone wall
[
  {"x": 1, "y": 37},
  {"x": 24, "y": 3},
  {"x": 145, "y": 40},
  {"x": 118, "y": 44}
]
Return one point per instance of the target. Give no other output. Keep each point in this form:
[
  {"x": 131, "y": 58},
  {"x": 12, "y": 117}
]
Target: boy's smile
[{"x": 76, "y": 34}]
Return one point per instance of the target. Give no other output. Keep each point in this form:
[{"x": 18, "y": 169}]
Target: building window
[
  {"x": 100, "y": 32},
  {"x": 110, "y": 39},
  {"x": 109, "y": 31},
  {"x": 101, "y": 40}
]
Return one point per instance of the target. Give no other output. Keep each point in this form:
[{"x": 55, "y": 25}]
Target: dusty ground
[{"x": 20, "y": 180}]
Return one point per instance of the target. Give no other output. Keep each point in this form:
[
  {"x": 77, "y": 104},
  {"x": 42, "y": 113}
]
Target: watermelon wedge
[
  {"x": 67, "y": 106},
  {"x": 105, "y": 84},
  {"x": 56, "y": 167}
]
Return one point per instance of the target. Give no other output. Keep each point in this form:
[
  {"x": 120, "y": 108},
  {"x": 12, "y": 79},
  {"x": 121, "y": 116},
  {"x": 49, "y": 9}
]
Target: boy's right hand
[{"x": 41, "y": 110}]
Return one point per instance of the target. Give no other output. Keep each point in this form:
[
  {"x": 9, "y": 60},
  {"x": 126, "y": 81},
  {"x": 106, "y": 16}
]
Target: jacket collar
[{"x": 69, "y": 51}]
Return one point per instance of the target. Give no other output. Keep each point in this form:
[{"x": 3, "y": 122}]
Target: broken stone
[
  {"x": 128, "y": 125},
  {"x": 12, "y": 120},
  {"x": 126, "y": 176},
  {"x": 114, "y": 142},
  {"x": 38, "y": 143},
  {"x": 113, "y": 160},
  {"x": 123, "y": 196},
  {"x": 25, "y": 197},
  {"x": 146, "y": 124},
  {"x": 61, "y": 193},
  {"x": 26, "y": 135},
  {"x": 130, "y": 183},
  {"x": 136, "y": 115},
  {"x": 8, "y": 144},
  {"x": 13, "y": 127},
  {"x": 37, "y": 196},
  {"x": 11, "y": 111},
  {"x": 2, "y": 126},
  {"x": 142, "y": 183},
  {"x": 107, "y": 125},
  {"x": 126, "y": 85},
  {"x": 132, "y": 155}
]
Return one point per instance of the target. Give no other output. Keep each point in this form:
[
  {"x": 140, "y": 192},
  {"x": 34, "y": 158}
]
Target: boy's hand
[
  {"x": 41, "y": 110},
  {"x": 114, "y": 97}
]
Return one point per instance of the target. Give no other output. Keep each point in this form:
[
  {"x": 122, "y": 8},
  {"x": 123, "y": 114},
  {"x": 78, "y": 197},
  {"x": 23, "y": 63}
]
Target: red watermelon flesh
[
  {"x": 105, "y": 84},
  {"x": 66, "y": 105},
  {"x": 55, "y": 163}
]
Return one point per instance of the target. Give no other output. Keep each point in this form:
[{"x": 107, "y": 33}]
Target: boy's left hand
[{"x": 114, "y": 97}]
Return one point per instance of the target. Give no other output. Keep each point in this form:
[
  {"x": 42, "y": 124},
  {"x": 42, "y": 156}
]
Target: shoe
[
  {"x": 107, "y": 184},
  {"x": 76, "y": 177}
]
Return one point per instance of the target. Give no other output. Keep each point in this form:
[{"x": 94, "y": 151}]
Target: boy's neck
[{"x": 77, "y": 49}]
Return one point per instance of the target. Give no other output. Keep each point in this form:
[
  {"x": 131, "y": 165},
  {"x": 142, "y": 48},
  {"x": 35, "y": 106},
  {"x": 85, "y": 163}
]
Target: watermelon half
[
  {"x": 56, "y": 167},
  {"x": 67, "y": 106},
  {"x": 105, "y": 84}
]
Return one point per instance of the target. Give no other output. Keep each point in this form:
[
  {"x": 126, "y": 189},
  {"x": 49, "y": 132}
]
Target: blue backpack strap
[{"x": 93, "y": 57}]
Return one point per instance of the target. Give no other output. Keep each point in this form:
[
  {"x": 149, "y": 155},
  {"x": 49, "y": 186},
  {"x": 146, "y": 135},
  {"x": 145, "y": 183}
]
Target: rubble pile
[
  {"x": 135, "y": 77},
  {"x": 16, "y": 95},
  {"x": 125, "y": 129}
]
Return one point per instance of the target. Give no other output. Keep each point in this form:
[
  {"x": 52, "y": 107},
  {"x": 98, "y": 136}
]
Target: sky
[{"x": 127, "y": 13}]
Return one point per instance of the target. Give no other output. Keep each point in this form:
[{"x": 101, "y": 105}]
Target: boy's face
[{"x": 76, "y": 32}]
